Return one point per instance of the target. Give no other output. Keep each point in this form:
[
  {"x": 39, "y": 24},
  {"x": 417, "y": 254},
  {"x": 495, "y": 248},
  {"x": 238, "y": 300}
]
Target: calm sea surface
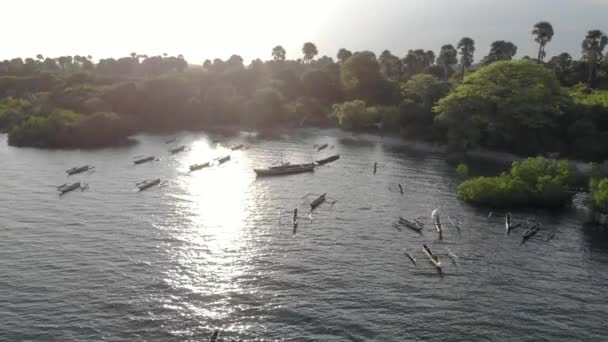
[{"x": 215, "y": 249}]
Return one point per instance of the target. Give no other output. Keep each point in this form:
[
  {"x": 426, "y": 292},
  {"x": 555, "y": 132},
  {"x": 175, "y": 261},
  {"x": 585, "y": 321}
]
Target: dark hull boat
[
  {"x": 196, "y": 167},
  {"x": 178, "y": 149},
  {"x": 78, "y": 169},
  {"x": 317, "y": 202},
  {"x": 64, "y": 189},
  {"x": 285, "y": 170},
  {"x": 322, "y": 147},
  {"x": 223, "y": 160},
  {"x": 434, "y": 260},
  {"x": 237, "y": 147},
  {"x": 144, "y": 160},
  {"x": 411, "y": 225},
  {"x": 148, "y": 184},
  {"x": 328, "y": 160}
]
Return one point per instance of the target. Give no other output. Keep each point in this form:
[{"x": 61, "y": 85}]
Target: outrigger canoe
[
  {"x": 144, "y": 160},
  {"x": 79, "y": 169},
  {"x": 328, "y": 160},
  {"x": 285, "y": 170},
  {"x": 178, "y": 149},
  {"x": 148, "y": 184},
  {"x": 196, "y": 167},
  {"x": 65, "y": 188},
  {"x": 432, "y": 257},
  {"x": 317, "y": 202}
]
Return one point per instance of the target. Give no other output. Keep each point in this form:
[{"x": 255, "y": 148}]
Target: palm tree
[
  {"x": 278, "y": 53},
  {"x": 466, "y": 48},
  {"x": 343, "y": 55},
  {"x": 310, "y": 51},
  {"x": 543, "y": 31},
  {"x": 447, "y": 57},
  {"x": 593, "y": 47},
  {"x": 501, "y": 51}
]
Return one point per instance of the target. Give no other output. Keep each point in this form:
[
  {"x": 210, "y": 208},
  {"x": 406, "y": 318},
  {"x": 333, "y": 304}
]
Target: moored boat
[
  {"x": 322, "y": 147},
  {"x": 317, "y": 202},
  {"x": 178, "y": 149},
  {"x": 530, "y": 233},
  {"x": 196, "y": 167},
  {"x": 285, "y": 170},
  {"x": 222, "y": 160},
  {"x": 434, "y": 260},
  {"x": 65, "y": 188},
  {"x": 144, "y": 160},
  {"x": 79, "y": 169},
  {"x": 237, "y": 147},
  {"x": 147, "y": 184},
  {"x": 328, "y": 160},
  {"x": 411, "y": 225}
]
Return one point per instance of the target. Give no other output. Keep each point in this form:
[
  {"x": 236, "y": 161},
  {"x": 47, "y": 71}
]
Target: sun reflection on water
[{"x": 215, "y": 208}]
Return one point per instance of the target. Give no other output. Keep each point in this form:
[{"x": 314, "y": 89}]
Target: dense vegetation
[
  {"x": 598, "y": 198},
  {"x": 535, "y": 181},
  {"x": 527, "y": 106}
]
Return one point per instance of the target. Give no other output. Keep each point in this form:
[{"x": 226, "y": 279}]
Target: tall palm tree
[
  {"x": 543, "y": 32},
  {"x": 343, "y": 55},
  {"x": 278, "y": 53},
  {"x": 593, "y": 47},
  {"x": 447, "y": 57},
  {"x": 310, "y": 51},
  {"x": 466, "y": 48}
]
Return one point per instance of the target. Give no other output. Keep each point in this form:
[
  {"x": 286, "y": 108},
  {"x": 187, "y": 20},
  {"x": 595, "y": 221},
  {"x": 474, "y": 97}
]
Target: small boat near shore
[
  {"x": 328, "y": 160},
  {"x": 237, "y": 147},
  {"x": 317, "y": 202},
  {"x": 410, "y": 257},
  {"x": 527, "y": 235},
  {"x": 178, "y": 149},
  {"x": 322, "y": 147},
  {"x": 434, "y": 260},
  {"x": 196, "y": 167},
  {"x": 222, "y": 160},
  {"x": 143, "y": 185},
  {"x": 79, "y": 169},
  {"x": 142, "y": 160},
  {"x": 410, "y": 224},
  {"x": 285, "y": 170},
  {"x": 65, "y": 188}
]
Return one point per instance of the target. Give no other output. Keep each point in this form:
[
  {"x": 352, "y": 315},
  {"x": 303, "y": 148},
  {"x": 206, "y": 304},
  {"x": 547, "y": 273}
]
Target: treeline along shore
[{"x": 528, "y": 106}]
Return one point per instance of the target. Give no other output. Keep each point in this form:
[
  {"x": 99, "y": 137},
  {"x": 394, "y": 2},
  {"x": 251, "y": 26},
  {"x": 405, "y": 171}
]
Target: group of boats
[
  {"x": 217, "y": 161},
  {"x": 65, "y": 188}
]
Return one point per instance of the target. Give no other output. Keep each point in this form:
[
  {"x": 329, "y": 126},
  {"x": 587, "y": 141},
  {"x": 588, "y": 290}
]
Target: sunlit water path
[{"x": 215, "y": 249}]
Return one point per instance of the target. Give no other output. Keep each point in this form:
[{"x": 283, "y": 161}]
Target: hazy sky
[{"x": 201, "y": 29}]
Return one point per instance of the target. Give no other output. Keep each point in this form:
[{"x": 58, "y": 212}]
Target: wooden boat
[
  {"x": 79, "y": 169},
  {"x": 314, "y": 204},
  {"x": 222, "y": 160},
  {"x": 144, "y": 160},
  {"x": 322, "y": 147},
  {"x": 172, "y": 140},
  {"x": 237, "y": 147},
  {"x": 65, "y": 188},
  {"x": 280, "y": 166},
  {"x": 196, "y": 167},
  {"x": 147, "y": 184},
  {"x": 530, "y": 233},
  {"x": 328, "y": 160},
  {"x": 410, "y": 257},
  {"x": 178, "y": 149},
  {"x": 411, "y": 225},
  {"x": 285, "y": 170},
  {"x": 432, "y": 257}
]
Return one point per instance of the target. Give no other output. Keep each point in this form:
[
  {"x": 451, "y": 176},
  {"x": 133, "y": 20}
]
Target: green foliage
[
  {"x": 12, "y": 111},
  {"x": 43, "y": 131},
  {"x": 533, "y": 182},
  {"x": 598, "y": 197},
  {"x": 462, "y": 170},
  {"x": 352, "y": 115},
  {"x": 510, "y": 105}
]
